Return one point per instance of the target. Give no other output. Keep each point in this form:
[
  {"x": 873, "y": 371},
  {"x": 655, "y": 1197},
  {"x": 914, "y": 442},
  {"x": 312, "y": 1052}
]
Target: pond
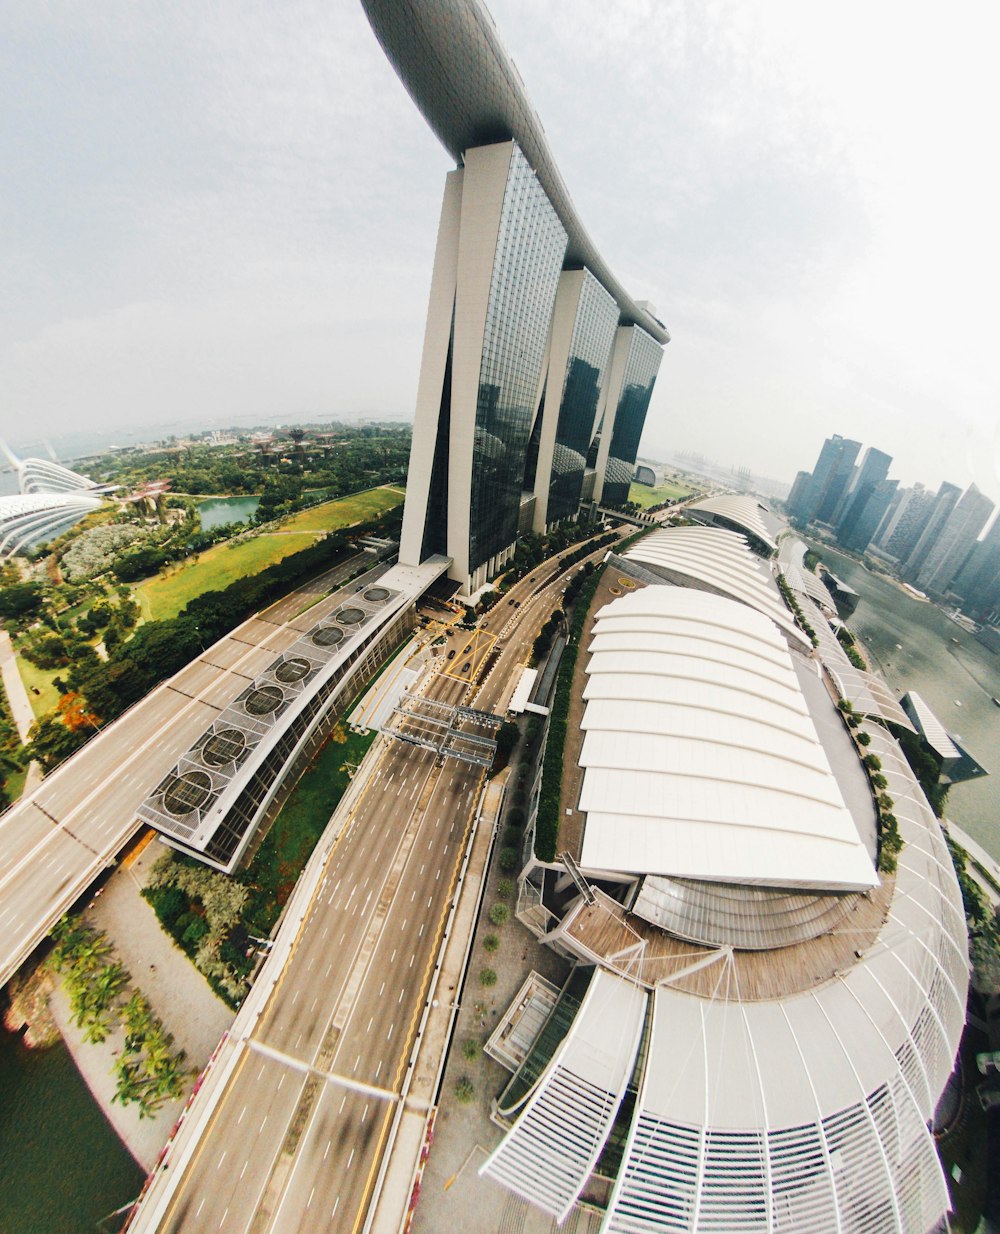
[{"x": 218, "y": 510}]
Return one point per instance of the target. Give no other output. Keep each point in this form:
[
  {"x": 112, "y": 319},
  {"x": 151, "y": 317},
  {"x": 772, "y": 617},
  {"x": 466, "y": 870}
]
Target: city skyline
[{"x": 191, "y": 246}]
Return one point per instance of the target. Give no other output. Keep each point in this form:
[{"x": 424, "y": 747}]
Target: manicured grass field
[
  {"x": 165, "y": 595},
  {"x": 39, "y": 679},
  {"x": 645, "y": 496},
  {"x": 346, "y": 510}
]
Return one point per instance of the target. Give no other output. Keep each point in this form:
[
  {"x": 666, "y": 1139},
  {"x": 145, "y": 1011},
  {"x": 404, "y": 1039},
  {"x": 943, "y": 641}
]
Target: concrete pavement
[{"x": 292, "y": 1131}]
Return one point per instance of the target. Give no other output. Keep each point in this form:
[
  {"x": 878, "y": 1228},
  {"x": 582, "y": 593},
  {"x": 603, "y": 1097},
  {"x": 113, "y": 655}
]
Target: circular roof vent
[
  {"x": 187, "y": 793},
  {"x": 263, "y": 701},
  {"x": 224, "y": 747},
  {"x": 292, "y": 670},
  {"x": 328, "y": 636},
  {"x": 351, "y": 616},
  {"x": 377, "y": 595}
]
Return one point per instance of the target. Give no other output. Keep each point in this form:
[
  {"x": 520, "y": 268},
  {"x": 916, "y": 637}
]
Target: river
[
  {"x": 945, "y": 665},
  {"x": 62, "y": 1168}
]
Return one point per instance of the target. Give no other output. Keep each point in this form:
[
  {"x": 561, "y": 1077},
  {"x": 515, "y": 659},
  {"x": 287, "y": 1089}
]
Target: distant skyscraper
[
  {"x": 978, "y": 581},
  {"x": 958, "y": 535},
  {"x": 908, "y": 520},
  {"x": 943, "y": 504},
  {"x": 829, "y": 478},
  {"x": 864, "y": 482},
  {"x": 798, "y": 493},
  {"x": 865, "y": 524}
]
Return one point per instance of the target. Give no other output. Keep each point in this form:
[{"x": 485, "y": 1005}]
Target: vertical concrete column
[{"x": 437, "y": 338}]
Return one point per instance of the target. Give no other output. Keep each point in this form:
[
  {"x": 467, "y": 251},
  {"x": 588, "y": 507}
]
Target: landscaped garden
[
  {"x": 165, "y": 595},
  {"x": 216, "y": 919},
  {"x": 643, "y": 496}
]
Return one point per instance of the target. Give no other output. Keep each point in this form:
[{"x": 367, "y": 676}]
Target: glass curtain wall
[
  {"x": 586, "y": 369},
  {"x": 641, "y": 368},
  {"x": 529, "y": 256}
]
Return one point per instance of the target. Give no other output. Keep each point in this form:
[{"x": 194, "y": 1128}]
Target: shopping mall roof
[
  {"x": 716, "y": 559},
  {"x": 739, "y": 512},
  {"x": 700, "y": 757},
  {"x": 551, "y": 1150}
]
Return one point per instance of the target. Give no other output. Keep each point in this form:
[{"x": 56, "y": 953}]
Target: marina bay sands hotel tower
[{"x": 537, "y": 365}]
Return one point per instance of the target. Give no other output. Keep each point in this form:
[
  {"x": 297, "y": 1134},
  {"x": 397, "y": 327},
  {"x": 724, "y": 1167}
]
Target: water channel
[
  {"x": 62, "y": 1168},
  {"x": 917, "y": 647}
]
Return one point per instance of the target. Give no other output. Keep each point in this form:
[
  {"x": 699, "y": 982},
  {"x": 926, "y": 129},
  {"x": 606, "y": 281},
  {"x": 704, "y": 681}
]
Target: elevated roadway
[
  {"x": 56, "y": 841},
  {"x": 282, "y": 1139}
]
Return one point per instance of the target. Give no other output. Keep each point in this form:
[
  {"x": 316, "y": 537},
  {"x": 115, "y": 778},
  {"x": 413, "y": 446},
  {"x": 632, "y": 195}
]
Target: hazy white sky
[{"x": 228, "y": 210}]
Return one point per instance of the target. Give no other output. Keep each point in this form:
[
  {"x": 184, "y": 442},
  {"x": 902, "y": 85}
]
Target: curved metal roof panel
[
  {"x": 719, "y": 559},
  {"x": 744, "y": 791},
  {"x": 739, "y": 509},
  {"x": 450, "y": 58}
]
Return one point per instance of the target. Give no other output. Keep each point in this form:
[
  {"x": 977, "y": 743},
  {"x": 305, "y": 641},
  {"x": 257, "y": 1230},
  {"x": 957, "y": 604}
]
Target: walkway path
[
  {"x": 177, "y": 992},
  {"x": 20, "y": 704}
]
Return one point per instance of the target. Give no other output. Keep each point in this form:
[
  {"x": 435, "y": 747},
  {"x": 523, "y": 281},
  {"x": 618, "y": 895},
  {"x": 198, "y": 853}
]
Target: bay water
[{"x": 916, "y": 646}]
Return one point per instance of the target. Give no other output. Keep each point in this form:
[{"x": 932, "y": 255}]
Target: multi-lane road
[
  {"x": 56, "y": 841},
  {"x": 290, "y": 1143}
]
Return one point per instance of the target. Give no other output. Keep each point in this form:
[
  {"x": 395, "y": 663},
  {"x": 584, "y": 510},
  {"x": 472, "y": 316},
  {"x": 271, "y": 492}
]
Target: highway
[
  {"x": 289, "y": 1145},
  {"x": 55, "y": 842}
]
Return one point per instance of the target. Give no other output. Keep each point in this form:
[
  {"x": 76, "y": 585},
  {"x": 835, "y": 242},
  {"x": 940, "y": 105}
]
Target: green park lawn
[
  {"x": 39, "y": 679},
  {"x": 645, "y": 496},
  {"x": 164, "y": 595}
]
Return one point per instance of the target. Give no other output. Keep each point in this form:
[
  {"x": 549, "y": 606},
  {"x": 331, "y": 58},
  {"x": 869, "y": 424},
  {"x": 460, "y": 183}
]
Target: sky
[{"x": 225, "y": 213}]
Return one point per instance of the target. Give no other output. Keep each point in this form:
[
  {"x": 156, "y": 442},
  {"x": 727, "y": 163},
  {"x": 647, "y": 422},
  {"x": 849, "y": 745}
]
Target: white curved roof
[
  {"x": 552, "y": 1148},
  {"x": 719, "y": 559},
  {"x": 739, "y": 509},
  {"x": 810, "y": 1112},
  {"x": 700, "y": 758},
  {"x": 28, "y": 519},
  {"x": 42, "y": 475}
]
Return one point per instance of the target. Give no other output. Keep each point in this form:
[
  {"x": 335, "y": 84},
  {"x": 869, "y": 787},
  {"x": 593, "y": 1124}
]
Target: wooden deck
[{"x": 608, "y": 932}]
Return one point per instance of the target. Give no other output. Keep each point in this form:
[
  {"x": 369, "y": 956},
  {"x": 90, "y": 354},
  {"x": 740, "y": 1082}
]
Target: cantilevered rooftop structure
[{"x": 538, "y": 366}]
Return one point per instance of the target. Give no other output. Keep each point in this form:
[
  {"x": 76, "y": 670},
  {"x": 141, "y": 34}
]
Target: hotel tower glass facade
[{"x": 532, "y": 346}]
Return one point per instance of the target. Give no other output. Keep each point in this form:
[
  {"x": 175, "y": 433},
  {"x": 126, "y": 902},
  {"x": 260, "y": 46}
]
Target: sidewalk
[
  {"x": 178, "y": 995},
  {"x": 20, "y": 705}
]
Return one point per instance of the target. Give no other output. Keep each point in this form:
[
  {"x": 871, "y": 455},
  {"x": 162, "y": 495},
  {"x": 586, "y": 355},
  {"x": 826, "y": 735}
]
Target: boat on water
[
  {"x": 996, "y": 702},
  {"x": 958, "y": 702}
]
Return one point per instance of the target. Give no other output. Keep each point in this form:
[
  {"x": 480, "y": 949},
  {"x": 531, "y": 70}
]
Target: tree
[
  {"x": 499, "y": 914},
  {"x": 471, "y": 1049},
  {"x": 20, "y": 600},
  {"x": 51, "y": 742},
  {"x": 507, "y": 860},
  {"x": 491, "y": 943},
  {"x": 487, "y": 977},
  {"x": 465, "y": 1090}
]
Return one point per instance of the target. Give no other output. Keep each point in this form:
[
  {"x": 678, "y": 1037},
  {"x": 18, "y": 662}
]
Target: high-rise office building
[
  {"x": 955, "y": 541},
  {"x": 867, "y": 520},
  {"x": 978, "y": 581},
  {"x": 537, "y": 366},
  {"x": 831, "y": 476},
  {"x": 899, "y": 536},
  {"x": 865, "y": 479},
  {"x": 944, "y": 502}
]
